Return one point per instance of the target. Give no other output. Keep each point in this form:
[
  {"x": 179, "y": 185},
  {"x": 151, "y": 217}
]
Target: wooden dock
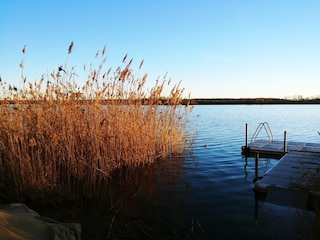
[
  {"x": 294, "y": 177},
  {"x": 278, "y": 147}
]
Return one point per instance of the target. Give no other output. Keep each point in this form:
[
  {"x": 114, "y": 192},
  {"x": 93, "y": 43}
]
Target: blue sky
[{"x": 217, "y": 48}]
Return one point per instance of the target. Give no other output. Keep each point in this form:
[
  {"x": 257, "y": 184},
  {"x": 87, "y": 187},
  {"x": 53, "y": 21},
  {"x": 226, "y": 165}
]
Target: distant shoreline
[
  {"x": 245, "y": 101},
  {"x": 194, "y": 101}
]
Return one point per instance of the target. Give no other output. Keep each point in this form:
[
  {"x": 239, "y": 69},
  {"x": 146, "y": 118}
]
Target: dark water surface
[
  {"x": 208, "y": 194},
  {"x": 213, "y": 197}
]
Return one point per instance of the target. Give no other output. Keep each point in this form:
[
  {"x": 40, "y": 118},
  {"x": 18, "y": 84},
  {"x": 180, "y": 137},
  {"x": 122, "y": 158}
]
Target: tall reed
[{"x": 55, "y": 133}]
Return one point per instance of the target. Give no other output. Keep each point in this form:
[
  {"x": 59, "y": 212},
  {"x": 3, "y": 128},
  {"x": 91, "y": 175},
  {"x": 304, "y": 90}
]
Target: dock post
[
  {"x": 285, "y": 141},
  {"x": 256, "y": 167},
  {"x": 246, "y": 135}
]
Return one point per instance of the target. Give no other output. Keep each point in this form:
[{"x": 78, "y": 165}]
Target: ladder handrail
[{"x": 266, "y": 127}]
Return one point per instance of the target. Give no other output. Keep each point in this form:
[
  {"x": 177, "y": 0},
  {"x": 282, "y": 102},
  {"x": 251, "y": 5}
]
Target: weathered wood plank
[
  {"x": 278, "y": 146},
  {"x": 293, "y": 170}
]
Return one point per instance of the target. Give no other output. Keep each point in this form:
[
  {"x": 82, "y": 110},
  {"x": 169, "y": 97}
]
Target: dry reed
[{"x": 57, "y": 134}]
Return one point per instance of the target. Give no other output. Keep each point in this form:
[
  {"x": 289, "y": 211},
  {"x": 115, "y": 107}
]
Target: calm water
[{"x": 213, "y": 193}]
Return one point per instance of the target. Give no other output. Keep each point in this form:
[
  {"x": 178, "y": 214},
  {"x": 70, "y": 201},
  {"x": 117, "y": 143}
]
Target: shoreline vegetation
[
  {"x": 55, "y": 132},
  {"x": 64, "y": 151},
  {"x": 62, "y": 148}
]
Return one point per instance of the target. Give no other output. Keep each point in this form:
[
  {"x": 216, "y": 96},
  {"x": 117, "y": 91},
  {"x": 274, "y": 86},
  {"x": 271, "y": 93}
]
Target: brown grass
[{"x": 57, "y": 134}]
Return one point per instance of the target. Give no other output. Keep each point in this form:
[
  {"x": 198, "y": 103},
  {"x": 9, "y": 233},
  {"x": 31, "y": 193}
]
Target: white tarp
[{"x": 18, "y": 222}]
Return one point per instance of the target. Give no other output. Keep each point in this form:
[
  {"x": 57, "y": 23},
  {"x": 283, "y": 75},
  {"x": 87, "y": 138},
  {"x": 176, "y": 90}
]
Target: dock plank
[
  {"x": 298, "y": 169},
  {"x": 278, "y": 146},
  {"x": 292, "y": 170}
]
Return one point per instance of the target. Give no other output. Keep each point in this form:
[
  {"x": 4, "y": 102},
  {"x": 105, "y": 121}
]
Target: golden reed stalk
[{"x": 55, "y": 133}]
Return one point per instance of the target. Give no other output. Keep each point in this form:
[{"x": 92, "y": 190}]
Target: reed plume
[{"x": 70, "y": 48}]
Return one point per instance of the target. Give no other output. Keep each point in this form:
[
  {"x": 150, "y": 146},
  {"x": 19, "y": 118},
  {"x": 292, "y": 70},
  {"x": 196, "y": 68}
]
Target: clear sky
[{"x": 217, "y": 48}]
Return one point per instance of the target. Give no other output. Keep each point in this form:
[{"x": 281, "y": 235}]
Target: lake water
[
  {"x": 207, "y": 194},
  {"x": 212, "y": 196}
]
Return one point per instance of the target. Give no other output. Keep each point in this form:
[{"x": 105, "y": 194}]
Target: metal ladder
[{"x": 266, "y": 127}]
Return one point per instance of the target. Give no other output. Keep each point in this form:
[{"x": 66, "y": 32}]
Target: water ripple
[{"x": 221, "y": 186}]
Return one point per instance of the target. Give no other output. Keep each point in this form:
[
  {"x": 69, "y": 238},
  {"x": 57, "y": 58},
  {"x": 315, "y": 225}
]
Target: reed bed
[{"x": 57, "y": 134}]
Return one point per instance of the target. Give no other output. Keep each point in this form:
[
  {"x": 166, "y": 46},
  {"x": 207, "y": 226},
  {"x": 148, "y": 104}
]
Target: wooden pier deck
[
  {"x": 296, "y": 174},
  {"x": 277, "y": 147}
]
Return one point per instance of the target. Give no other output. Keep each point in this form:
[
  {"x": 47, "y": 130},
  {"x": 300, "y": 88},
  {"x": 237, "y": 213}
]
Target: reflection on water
[
  {"x": 141, "y": 203},
  {"x": 209, "y": 195},
  {"x": 206, "y": 195}
]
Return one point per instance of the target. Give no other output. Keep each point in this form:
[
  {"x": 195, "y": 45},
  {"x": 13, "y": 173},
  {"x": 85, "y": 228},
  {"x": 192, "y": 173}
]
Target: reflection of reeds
[
  {"x": 62, "y": 135},
  {"x": 135, "y": 203}
]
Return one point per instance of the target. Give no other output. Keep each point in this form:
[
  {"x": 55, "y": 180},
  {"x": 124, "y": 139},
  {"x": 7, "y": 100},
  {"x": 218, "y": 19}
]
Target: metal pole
[
  {"x": 256, "y": 168},
  {"x": 285, "y": 141},
  {"x": 246, "y": 135}
]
